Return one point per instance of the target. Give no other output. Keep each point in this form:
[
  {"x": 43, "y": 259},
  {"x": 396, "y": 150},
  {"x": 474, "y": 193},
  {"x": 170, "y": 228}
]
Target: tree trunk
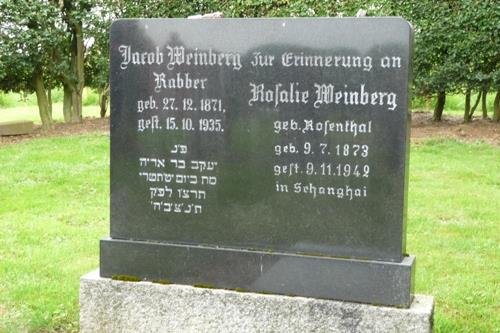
[
  {"x": 77, "y": 50},
  {"x": 67, "y": 103},
  {"x": 467, "y": 115},
  {"x": 103, "y": 101},
  {"x": 41, "y": 98},
  {"x": 76, "y": 81},
  {"x": 438, "y": 109},
  {"x": 49, "y": 99},
  {"x": 76, "y": 107},
  {"x": 496, "y": 107},
  {"x": 474, "y": 107},
  {"x": 483, "y": 104},
  {"x": 73, "y": 85}
]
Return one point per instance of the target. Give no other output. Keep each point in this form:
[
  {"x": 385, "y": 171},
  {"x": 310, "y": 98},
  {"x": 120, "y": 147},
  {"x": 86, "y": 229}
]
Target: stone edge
[{"x": 98, "y": 294}]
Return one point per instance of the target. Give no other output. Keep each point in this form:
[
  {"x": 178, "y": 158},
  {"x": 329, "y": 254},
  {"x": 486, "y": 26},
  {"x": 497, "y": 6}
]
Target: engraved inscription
[{"x": 315, "y": 153}]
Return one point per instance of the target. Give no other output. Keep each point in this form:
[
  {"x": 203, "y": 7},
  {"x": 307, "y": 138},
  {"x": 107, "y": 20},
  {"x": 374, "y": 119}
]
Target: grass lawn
[
  {"x": 13, "y": 107},
  {"x": 454, "y": 230},
  {"x": 55, "y": 208}
]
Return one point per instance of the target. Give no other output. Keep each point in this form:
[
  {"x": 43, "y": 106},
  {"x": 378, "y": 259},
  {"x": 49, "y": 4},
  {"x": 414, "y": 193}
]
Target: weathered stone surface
[
  {"x": 16, "y": 127},
  {"x": 117, "y": 306}
]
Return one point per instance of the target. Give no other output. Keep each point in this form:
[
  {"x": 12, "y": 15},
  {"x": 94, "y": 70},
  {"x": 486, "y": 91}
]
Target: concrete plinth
[
  {"x": 16, "y": 127},
  {"x": 109, "y": 306}
]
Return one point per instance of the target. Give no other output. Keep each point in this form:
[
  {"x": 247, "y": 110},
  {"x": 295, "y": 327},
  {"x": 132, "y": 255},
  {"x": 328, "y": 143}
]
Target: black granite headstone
[{"x": 269, "y": 155}]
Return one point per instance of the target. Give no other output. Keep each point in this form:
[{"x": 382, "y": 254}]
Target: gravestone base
[
  {"x": 351, "y": 280},
  {"x": 108, "y": 305}
]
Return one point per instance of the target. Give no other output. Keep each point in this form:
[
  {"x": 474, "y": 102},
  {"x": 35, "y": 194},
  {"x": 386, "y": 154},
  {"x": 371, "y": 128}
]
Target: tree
[
  {"x": 496, "y": 107},
  {"x": 433, "y": 67},
  {"x": 74, "y": 14},
  {"x": 97, "y": 56},
  {"x": 44, "y": 41},
  {"x": 457, "y": 47},
  {"x": 96, "y": 71},
  {"x": 476, "y": 49},
  {"x": 496, "y": 87},
  {"x": 28, "y": 39}
]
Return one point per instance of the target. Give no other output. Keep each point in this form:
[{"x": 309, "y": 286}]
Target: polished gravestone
[{"x": 266, "y": 155}]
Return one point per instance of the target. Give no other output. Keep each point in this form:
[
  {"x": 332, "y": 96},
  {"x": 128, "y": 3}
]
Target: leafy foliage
[
  {"x": 29, "y": 38},
  {"x": 457, "y": 43}
]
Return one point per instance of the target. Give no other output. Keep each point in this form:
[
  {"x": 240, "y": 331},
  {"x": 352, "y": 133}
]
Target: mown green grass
[
  {"x": 14, "y": 107},
  {"x": 29, "y": 112},
  {"x": 55, "y": 208},
  {"x": 454, "y": 230},
  {"x": 11, "y": 99}
]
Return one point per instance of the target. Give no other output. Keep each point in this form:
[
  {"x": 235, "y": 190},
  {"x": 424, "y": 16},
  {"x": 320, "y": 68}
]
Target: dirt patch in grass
[
  {"x": 453, "y": 127},
  {"x": 423, "y": 128}
]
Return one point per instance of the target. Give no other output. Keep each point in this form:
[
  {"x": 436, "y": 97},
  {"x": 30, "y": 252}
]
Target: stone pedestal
[
  {"x": 16, "y": 127},
  {"x": 108, "y": 305}
]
